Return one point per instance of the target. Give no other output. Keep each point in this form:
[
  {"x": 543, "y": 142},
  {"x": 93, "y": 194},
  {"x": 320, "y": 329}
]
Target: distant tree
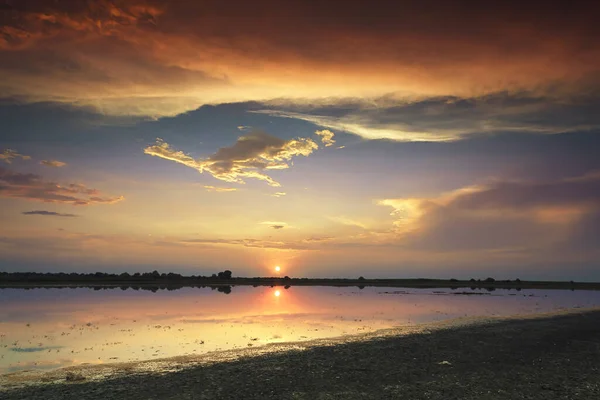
[
  {"x": 361, "y": 278},
  {"x": 518, "y": 280},
  {"x": 490, "y": 280},
  {"x": 472, "y": 280},
  {"x": 225, "y": 274},
  {"x": 453, "y": 280},
  {"x": 286, "y": 278}
]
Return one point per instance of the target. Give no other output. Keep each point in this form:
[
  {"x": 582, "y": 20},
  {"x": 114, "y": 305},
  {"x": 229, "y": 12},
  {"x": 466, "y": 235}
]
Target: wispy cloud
[
  {"x": 251, "y": 243},
  {"x": 53, "y": 163},
  {"x": 47, "y": 213},
  {"x": 278, "y": 194},
  {"x": 8, "y": 155},
  {"x": 347, "y": 221},
  {"x": 34, "y": 187},
  {"x": 218, "y": 189},
  {"x": 446, "y": 118},
  {"x": 248, "y": 158}
]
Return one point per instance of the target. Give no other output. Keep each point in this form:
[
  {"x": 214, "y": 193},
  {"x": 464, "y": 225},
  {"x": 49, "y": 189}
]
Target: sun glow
[
  {"x": 277, "y": 293},
  {"x": 277, "y": 268}
]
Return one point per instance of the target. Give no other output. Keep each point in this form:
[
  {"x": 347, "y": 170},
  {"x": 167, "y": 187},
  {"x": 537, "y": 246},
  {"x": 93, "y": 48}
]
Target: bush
[
  {"x": 490, "y": 280},
  {"x": 225, "y": 274}
]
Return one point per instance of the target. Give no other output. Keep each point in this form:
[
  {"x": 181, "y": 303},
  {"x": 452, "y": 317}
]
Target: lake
[{"x": 48, "y": 328}]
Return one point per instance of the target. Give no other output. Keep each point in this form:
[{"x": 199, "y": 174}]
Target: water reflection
[{"x": 51, "y": 328}]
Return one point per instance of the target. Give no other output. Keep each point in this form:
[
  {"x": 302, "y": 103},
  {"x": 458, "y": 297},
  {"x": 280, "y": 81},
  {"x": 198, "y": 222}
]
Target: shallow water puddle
[{"x": 52, "y": 328}]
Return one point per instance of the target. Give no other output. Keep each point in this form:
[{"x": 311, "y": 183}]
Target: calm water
[{"x": 52, "y": 328}]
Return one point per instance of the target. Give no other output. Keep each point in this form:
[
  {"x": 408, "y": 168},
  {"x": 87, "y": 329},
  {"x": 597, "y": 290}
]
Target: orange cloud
[
  {"x": 33, "y": 187},
  {"x": 156, "y": 58}
]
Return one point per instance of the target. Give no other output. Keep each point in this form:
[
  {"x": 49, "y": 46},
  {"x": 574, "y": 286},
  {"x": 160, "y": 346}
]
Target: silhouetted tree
[{"x": 225, "y": 274}]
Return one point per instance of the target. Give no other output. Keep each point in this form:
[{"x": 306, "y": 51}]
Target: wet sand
[{"x": 549, "y": 356}]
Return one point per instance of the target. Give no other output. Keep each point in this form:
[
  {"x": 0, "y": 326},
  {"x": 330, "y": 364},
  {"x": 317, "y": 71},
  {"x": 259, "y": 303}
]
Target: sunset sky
[{"x": 376, "y": 138}]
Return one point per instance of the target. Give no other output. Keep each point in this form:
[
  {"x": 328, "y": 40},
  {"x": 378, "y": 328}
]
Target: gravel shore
[{"x": 546, "y": 357}]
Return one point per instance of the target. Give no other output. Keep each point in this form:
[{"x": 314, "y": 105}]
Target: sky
[{"x": 449, "y": 139}]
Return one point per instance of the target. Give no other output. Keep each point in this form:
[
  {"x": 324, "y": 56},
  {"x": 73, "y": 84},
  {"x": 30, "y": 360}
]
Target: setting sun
[{"x": 277, "y": 268}]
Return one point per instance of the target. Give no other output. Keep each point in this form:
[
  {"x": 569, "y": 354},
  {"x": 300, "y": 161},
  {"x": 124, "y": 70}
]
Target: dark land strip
[
  {"x": 549, "y": 357},
  {"x": 155, "y": 281}
]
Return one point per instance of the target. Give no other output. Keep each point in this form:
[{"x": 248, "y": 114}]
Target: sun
[
  {"x": 277, "y": 268},
  {"x": 277, "y": 293}
]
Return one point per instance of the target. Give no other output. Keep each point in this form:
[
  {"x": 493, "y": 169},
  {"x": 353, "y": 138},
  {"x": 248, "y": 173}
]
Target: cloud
[
  {"x": 53, "y": 163},
  {"x": 318, "y": 239},
  {"x": 9, "y": 155},
  {"x": 275, "y": 224},
  {"x": 33, "y": 187},
  {"x": 159, "y": 57},
  {"x": 218, "y": 189},
  {"x": 248, "y": 158},
  {"x": 326, "y": 137},
  {"x": 278, "y": 194},
  {"x": 47, "y": 213},
  {"x": 447, "y": 118},
  {"x": 250, "y": 243},
  {"x": 501, "y": 215},
  {"x": 347, "y": 221},
  {"x": 244, "y": 128}
]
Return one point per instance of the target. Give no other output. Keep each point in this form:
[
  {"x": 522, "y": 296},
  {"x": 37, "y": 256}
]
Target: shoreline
[
  {"x": 102, "y": 375},
  {"x": 302, "y": 282}
]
